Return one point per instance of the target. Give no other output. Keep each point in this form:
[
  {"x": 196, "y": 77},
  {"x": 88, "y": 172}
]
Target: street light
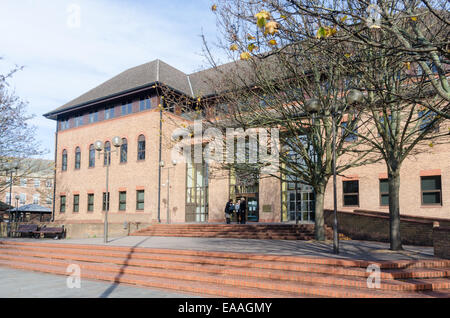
[
  {"x": 100, "y": 147},
  {"x": 9, "y": 168},
  {"x": 162, "y": 164},
  {"x": 354, "y": 96}
]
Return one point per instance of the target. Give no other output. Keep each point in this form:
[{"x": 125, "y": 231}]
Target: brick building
[
  {"x": 32, "y": 183},
  {"x": 127, "y": 106}
]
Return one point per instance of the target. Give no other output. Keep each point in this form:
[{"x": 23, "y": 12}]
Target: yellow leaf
[
  {"x": 414, "y": 18},
  {"x": 261, "y": 18},
  {"x": 272, "y": 42},
  {"x": 347, "y": 55},
  {"x": 250, "y": 37},
  {"x": 408, "y": 65},
  {"x": 234, "y": 47},
  {"x": 214, "y": 7},
  {"x": 431, "y": 145},
  {"x": 283, "y": 17},
  {"x": 245, "y": 56},
  {"x": 271, "y": 28},
  {"x": 252, "y": 47},
  {"x": 343, "y": 18}
]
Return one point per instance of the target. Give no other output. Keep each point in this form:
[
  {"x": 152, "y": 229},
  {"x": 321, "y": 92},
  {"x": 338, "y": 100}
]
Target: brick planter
[{"x": 441, "y": 242}]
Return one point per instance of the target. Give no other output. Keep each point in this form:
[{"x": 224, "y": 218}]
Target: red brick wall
[
  {"x": 441, "y": 242},
  {"x": 374, "y": 226}
]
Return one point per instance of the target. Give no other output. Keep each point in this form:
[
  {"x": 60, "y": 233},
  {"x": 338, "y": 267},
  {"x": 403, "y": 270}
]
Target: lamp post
[
  {"x": 9, "y": 168},
  {"x": 17, "y": 197},
  {"x": 100, "y": 147},
  {"x": 313, "y": 106},
  {"x": 162, "y": 164}
]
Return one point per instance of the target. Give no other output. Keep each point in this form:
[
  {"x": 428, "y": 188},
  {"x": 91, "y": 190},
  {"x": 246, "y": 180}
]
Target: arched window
[
  {"x": 77, "y": 158},
  {"x": 124, "y": 151},
  {"x": 91, "y": 156},
  {"x": 141, "y": 147},
  {"x": 64, "y": 160},
  {"x": 107, "y": 155}
]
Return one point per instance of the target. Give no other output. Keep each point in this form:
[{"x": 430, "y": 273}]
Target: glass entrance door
[{"x": 300, "y": 204}]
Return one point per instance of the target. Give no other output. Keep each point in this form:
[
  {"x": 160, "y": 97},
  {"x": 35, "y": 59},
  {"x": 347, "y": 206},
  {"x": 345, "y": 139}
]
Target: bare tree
[{"x": 17, "y": 136}]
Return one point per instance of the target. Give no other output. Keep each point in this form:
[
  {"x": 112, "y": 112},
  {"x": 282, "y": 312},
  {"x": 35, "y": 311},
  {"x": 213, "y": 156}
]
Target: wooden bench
[
  {"x": 56, "y": 232},
  {"x": 28, "y": 229}
]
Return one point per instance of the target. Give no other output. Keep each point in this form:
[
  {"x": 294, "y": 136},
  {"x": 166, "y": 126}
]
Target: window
[
  {"x": 145, "y": 103},
  {"x": 79, "y": 121},
  {"x": 351, "y": 193},
  {"x": 122, "y": 201},
  {"x": 141, "y": 147},
  {"x": 431, "y": 188},
  {"x": 64, "y": 124},
  {"x": 48, "y": 183},
  {"x": 48, "y": 200},
  {"x": 36, "y": 198},
  {"x": 8, "y": 197},
  {"x": 349, "y": 136},
  {"x": 127, "y": 108},
  {"x": 107, "y": 154},
  {"x": 23, "y": 182},
  {"x": 124, "y": 151},
  {"x": 90, "y": 206},
  {"x": 384, "y": 192},
  {"x": 109, "y": 113},
  {"x": 91, "y": 156},
  {"x": 93, "y": 117},
  {"x": 22, "y": 198},
  {"x": 37, "y": 183},
  {"x": 76, "y": 203},
  {"x": 140, "y": 200},
  {"x": 64, "y": 160},
  {"x": 77, "y": 158},
  {"x": 105, "y": 206},
  {"x": 62, "y": 203}
]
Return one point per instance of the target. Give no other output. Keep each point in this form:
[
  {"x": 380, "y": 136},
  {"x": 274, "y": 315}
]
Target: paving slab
[
  {"x": 349, "y": 249},
  {"x": 25, "y": 284}
]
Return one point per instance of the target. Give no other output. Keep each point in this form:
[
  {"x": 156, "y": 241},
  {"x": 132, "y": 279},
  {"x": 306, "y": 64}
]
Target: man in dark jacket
[
  {"x": 229, "y": 210},
  {"x": 243, "y": 210}
]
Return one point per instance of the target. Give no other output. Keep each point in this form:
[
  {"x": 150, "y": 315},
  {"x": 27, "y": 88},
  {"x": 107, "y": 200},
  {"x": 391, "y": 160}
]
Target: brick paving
[{"x": 202, "y": 269}]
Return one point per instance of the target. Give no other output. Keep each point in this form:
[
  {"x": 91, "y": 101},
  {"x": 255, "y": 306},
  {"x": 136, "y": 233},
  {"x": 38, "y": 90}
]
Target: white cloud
[{"x": 62, "y": 62}]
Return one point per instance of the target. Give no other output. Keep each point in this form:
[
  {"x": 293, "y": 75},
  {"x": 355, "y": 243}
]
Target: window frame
[
  {"x": 344, "y": 194},
  {"x": 141, "y": 148},
  {"x": 62, "y": 205},
  {"x": 383, "y": 193},
  {"x": 431, "y": 191},
  {"x": 90, "y": 205},
  {"x": 77, "y": 158},
  {"x": 122, "y": 203},
  {"x": 140, "y": 201},
  {"x": 76, "y": 203}
]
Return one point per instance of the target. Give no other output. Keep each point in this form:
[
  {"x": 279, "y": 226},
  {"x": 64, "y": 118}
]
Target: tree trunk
[
  {"x": 319, "y": 229},
  {"x": 394, "y": 210}
]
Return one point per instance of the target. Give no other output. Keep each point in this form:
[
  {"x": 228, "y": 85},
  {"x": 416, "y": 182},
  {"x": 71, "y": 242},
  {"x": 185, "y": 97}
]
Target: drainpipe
[
  {"x": 159, "y": 166},
  {"x": 54, "y": 173}
]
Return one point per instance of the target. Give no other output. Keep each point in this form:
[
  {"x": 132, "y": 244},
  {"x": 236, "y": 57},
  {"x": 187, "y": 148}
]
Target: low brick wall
[
  {"x": 441, "y": 242},
  {"x": 87, "y": 230},
  {"x": 374, "y": 226}
]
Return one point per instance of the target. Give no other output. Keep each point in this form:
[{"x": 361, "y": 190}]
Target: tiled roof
[{"x": 145, "y": 75}]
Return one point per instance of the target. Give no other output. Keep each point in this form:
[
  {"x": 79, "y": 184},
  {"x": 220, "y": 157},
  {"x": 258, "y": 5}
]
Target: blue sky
[{"x": 69, "y": 47}]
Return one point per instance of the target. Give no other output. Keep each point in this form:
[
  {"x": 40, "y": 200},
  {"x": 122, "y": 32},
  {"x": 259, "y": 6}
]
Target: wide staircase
[
  {"x": 239, "y": 231},
  {"x": 226, "y": 274}
]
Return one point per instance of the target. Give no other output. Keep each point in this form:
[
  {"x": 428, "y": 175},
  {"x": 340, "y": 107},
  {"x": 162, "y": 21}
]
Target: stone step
[
  {"x": 228, "y": 256},
  {"x": 155, "y": 259},
  {"x": 231, "y": 235},
  {"x": 173, "y": 270},
  {"x": 209, "y": 284},
  {"x": 199, "y": 288}
]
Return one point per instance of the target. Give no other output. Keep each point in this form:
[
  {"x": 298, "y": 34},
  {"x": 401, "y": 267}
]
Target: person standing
[
  {"x": 229, "y": 210},
  {"x": 237, "y": 210},
  {"x": 243, "y": 210}
]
